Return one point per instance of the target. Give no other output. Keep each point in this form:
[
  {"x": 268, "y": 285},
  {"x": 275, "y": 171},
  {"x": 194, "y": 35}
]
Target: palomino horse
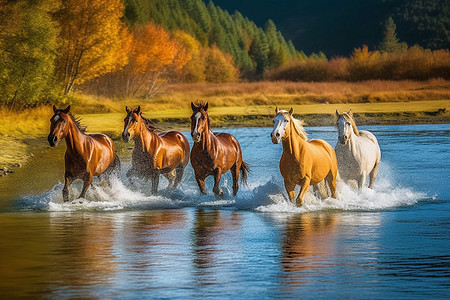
[
  {"x": 303, "y": 162},
  {"x": 87, "y": 155},
  {"x": 357, "y": 151},
  {"x": 155, "y": 153},
  {"x": 214, "y": 153}
]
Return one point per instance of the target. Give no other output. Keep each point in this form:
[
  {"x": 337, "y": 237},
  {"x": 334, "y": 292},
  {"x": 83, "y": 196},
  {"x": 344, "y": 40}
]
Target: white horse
[{"x": 357, "y": 151}]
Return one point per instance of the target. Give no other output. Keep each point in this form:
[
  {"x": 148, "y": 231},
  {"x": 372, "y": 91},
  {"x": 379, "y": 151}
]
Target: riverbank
[{"x": 238, "y": 105}]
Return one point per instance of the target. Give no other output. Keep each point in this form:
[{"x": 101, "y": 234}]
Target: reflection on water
[{"x": 391, "y": 242}]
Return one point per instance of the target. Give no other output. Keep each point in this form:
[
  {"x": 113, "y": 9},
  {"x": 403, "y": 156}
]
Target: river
[{"x": 120, "y": 242}]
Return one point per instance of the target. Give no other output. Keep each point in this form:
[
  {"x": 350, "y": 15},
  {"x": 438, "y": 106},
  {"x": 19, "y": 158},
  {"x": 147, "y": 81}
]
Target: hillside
[{"x": 336, "y": 27}]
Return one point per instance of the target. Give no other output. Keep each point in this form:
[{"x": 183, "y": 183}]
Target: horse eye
[{"x": 203, "y": 118}]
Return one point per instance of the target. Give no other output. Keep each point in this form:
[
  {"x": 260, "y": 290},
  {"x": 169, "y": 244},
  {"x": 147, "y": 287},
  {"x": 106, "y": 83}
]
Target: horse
[
  {"x": 214, "y": 153},
  {"x": 357, "y": 151},
  {"x": 87, "y": 155},
  {"x": 303, "y": 162},
  {"x": 155, "y": 153}
]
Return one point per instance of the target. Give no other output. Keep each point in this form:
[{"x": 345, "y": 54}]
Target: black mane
[
  {"x": 77, "y": 122},
  {"x": 149, "y": 124}
]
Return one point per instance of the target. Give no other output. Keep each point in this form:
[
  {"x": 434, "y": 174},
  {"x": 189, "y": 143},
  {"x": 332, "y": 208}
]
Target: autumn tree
[
  {"x": 153, "y": 59},
  {"x": 93, "y": 40},
  {"x": 194, "y": 70},
  {"x": 219, "y": 67},
  {"x": 27, "y": 51}
]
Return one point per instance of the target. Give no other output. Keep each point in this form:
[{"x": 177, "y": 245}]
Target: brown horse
[
  {"x": 214, "y": 153},
  {"x": 155, "y": 153},
  {"x": 303, "y": 162},
  {"x": 87, "y": 155}
]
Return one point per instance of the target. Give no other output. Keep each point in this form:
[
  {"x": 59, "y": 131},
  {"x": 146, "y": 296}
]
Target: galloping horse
[
  {"x": 87, "y": 155},
  {"x": 357, "y": 151},
  {"x": 214, "y": 153},
  {"x": 303, "y": 162},
  {"x": 155, "y": 153}
]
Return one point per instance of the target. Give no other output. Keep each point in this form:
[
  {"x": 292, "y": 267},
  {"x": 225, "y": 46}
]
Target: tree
[
  {"x": 27, "y": 51},
  {"x": 219, "y": 66},
  {"x": 390, "y": 43},
  {"x": 93, "y": 40}
]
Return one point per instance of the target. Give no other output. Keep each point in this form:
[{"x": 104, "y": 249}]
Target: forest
[{"x": 131, "y": 48}]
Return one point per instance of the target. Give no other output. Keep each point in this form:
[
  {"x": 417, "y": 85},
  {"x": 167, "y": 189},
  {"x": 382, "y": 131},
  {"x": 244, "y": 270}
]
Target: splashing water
[{"x": 263, "y": 195}]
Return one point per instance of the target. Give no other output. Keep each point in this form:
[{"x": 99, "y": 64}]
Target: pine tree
[{"x": 390, "y": 43}]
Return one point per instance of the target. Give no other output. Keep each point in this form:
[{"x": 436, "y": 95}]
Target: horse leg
[
  {"x": 331, "y": 181},
  {"x": 87, "y": 180},
  {"x": 361, "y": 180},
  {"x": 201, "y": 184},
  {"x": 170, "y": 176},
  {"x": 235, "y": 175},
  {"x": 290, "y": 189},
  {"x": 217, "y": 175},
  {"x": 67, "y": 181},
  {"x": 373, "y": 175},
  {"x": 155, "y": 182},
  {"x": 304, "y": 188},
  {"x": 179, "y": 175}
]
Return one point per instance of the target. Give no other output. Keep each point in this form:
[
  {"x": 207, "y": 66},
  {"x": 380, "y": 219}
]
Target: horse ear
[
  {"x": 193, "y": 106},
  {"x": 206, "y": 106},
  {"x": 337, "y": 113},
  {"x": 66, "y": 110},
  {"x": 277, "y": 110},
  {"x": 54, "y": 109},
  {"x": 127, "y": 109},
  {"x": 291, "y": 111},
  {"x": 350, "y": 113},
  {"x": 138, "y": 110}
]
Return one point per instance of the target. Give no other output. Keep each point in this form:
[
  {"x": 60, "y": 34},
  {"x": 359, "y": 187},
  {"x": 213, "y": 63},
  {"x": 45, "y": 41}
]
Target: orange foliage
[{"x": 414, "y": 63}]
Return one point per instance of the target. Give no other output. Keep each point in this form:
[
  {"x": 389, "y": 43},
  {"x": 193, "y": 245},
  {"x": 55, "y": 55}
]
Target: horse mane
[
  {"x": 200, "y": 104},
  {"x": 149, "y": 124},
  {"x": 298, "y": 125},
  {"x": 350, "y": 119},
  {"x": 77, "y": 122}
]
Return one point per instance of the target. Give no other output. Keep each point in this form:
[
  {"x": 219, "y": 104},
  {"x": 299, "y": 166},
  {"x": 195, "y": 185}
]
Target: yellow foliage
[{"x": 93, "y": 40}]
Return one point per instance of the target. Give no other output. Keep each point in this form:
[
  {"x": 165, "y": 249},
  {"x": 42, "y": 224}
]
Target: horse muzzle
[
  {"x": 196, "y": 137},
  {"x": 343, "y": 140},
  {"x": 52, "y": 140},
  {"x": 126, "y": 136},
  {"x": 276, "y": 138}
]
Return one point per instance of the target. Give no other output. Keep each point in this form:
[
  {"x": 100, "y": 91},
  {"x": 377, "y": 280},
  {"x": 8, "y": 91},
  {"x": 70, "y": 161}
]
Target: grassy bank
[{"x": 241, "y": 104}]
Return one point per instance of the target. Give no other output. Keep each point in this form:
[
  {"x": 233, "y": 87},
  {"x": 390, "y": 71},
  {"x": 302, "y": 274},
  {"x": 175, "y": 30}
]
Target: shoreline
[{"x": 24, "y": 147}]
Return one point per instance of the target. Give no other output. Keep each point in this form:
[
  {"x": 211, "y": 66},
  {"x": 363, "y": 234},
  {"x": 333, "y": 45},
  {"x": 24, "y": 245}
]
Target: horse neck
[
  {"x": 146, "y": 139},
  {"x": 207, "y": 137},
  {"x": 294, "y": 141},
  {"x": 75, "y": 138}
]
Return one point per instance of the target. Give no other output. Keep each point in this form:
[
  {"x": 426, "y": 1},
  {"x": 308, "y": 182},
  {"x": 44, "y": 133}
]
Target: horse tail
[{"x": 244, "y": 169}]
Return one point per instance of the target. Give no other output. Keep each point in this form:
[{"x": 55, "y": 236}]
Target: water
[{"x": 120, "y": 242}]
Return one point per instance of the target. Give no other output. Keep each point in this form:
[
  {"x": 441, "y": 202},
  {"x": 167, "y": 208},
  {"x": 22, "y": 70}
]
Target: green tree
[
  {"x": 27, "y": 51},
  {"x": 390, "y": 43}
]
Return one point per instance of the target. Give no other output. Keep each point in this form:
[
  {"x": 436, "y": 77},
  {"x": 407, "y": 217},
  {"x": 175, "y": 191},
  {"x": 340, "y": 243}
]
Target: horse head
[
  {"x": 130, "y": 123},
  {"x": 58, "y": 128},
  {"x": 345, "y": 125},
  {"x": 280, "y": 123},
  {"x": 199, "y": 120}
]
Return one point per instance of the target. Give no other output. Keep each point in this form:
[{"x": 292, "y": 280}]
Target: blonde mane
[
  {"x": 298, "y": 126},
  {"x": 350, "y": 119}
]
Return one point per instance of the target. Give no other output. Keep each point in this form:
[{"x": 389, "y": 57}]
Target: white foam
[{"x": 262, "y": 194}]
